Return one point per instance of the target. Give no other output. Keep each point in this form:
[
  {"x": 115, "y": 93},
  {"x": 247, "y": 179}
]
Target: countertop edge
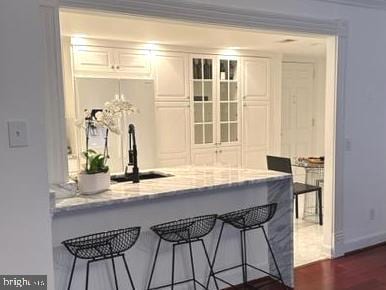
[{"x": 61, "y": 211}]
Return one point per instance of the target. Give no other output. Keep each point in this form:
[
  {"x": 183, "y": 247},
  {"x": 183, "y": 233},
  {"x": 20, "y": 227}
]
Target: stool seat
[
  {"x": 185, "y": 229},
  {"x": 249, "y": 217},
  {"x": 181, "y": 232},
  {"x": 102, "y": 244}
]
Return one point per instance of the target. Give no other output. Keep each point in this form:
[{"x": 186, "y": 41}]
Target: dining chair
[{"x": 283, "y": 164}]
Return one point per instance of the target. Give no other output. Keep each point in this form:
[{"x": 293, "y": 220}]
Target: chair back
[{"x": 281, "y": 164}]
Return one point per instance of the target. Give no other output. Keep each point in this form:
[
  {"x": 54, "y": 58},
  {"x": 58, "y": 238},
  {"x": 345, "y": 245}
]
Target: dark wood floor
[{"x": 364, "y": 270}]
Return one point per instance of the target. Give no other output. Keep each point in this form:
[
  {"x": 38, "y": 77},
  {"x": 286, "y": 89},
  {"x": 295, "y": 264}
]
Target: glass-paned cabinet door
[
  {"x": 202, "y": 92},
  {"x": 229, "y": 101}
]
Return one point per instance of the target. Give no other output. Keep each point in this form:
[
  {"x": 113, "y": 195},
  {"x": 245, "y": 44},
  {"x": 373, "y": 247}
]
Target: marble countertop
[{"x": 184, "y": 180}]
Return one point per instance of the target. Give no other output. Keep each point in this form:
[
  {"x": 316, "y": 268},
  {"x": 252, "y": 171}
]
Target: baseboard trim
[{"x": 365, "y": 242}]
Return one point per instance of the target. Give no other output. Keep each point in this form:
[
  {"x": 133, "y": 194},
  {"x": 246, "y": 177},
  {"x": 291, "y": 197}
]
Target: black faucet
[{"x": 133, "y": 160}]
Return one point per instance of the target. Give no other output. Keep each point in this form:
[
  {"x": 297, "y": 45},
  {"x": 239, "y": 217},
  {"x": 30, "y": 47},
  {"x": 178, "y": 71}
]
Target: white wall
[{"x": 25, "y": 233}]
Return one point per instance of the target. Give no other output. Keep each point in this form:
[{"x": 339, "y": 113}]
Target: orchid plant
[{"x": 107, "y": 118}]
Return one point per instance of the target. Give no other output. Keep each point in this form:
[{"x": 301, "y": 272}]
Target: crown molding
[
  {"x": 372, "y": 4},
  {"x": 214, "y": 14}
]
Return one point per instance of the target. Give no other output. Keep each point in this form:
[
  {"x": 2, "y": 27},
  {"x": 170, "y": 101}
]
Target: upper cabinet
[
  {"x": 256, "y": 78},
  {"x": 110, "y": 62},
  {"x": 89, "y": 58},
  {"x": 171, "y": 77}
]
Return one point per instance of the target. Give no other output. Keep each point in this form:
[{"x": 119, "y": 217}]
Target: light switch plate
[{"x": 17, "y": 134}]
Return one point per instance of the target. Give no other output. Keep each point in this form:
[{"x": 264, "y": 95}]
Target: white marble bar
[{"x": 191, "y": 191}]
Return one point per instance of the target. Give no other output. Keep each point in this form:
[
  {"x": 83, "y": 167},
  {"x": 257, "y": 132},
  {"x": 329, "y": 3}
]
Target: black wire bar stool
[
  {"x": 102, "y": 246},
  {"x": 246, "y": 220},
  {"x": 180, "y": 232}
]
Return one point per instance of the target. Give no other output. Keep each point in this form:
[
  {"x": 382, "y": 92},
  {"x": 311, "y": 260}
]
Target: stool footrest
[
  {"x": 241, "y": 265},
  {"x": 178, "y": 283}
]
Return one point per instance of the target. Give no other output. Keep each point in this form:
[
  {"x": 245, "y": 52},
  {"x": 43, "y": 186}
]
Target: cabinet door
[
  {"x": 173, "y": 133},
  {"x": 229, "y": 102},
  {"x": 171, "y": 77},
  {"x": 255, "y": 134},
  {"x": 133, "y": 62},
  {"x": 228, "y": 156},
  {"x": 90, "y": 58},
  {"x": 203, "y": 101},
  {"x": 256, "y": 73},
  {"x": 204, "y": 157}
]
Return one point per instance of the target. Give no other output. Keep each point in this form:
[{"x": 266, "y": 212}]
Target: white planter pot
[{"x": 93, "y": 183}]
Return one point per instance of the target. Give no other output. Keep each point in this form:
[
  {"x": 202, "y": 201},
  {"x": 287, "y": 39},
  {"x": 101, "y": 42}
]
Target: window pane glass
[
  {"x": 208, "y": 133},
  {"x": 224, "y": 91},
  {"x": 208, "y": 91},
  {"x": 197, "y": 68},
  {"x": 224, "y": 132},
  {"x": 207, "y": 69},
  {"x": 197, "y": 91},
  {"x": 233, "y": 70},
  {"x": 233, "y": 91},
  {"x": 198, "y": 118},
  {"x": 223, "y": 69},
  {"x": 208, "y": 112},
  {"x": 198, "y": 134},
  {"x": 233, "y": 132},
  {"x": 224, "y": 112},
  {"x": 233, "y": 111}
]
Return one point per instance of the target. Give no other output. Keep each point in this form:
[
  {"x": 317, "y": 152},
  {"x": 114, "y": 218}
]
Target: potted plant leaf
[{"x": 95, "y": 177}]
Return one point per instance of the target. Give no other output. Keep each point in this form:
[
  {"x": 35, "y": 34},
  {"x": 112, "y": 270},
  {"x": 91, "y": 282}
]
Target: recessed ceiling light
[{"x": 287, "y": 40}]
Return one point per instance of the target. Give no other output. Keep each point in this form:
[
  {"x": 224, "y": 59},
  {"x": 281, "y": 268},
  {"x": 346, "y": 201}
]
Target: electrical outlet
[
  {"x": 17, "y": 134},
  {"x": 372, "y": 214}
]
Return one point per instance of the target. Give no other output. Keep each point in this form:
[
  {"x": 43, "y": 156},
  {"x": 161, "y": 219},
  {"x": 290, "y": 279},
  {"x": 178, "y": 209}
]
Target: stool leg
[
  {"x": 114, "y": 270},
  {"x": 273, "y": 256},
  {"x": 320, "y": 207},
  {"x": 215, "y": 253},
  {"x": 173, "y": 259},
  {"x": 296, "y": 206},
  {"x": 87, "y": 273},
  {"x": 242, "y": 258},
  {"x": 72, "y": 273},
  {"x": 115, "y": 273},
  {"x": 245, "y": 256},
  {"x": 128, "y": 272},
  {"x": 154, "y": 262},
  {"x": 210, "y": 266},
  {"x": 192, "y": 262}
]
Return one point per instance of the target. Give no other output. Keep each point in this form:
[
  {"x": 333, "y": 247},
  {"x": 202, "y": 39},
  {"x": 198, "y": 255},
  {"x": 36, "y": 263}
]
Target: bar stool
[
  {"x": 101, "y": 246},
  {"x": 246, "y": 220},
  {"x": 180, "y": 232}
]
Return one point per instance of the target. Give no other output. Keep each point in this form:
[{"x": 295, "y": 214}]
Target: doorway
[{"x": 334, "y": 117}]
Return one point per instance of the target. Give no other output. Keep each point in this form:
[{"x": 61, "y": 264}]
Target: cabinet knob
[
  {"x": 117, "y": 66},
  {"x": 112, "y": 67},
  {"x": 219, "y": 151}
]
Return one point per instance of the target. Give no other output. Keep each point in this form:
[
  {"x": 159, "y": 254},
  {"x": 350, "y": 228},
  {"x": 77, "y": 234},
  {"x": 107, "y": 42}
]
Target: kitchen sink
[{"x": 142, "y": 176}]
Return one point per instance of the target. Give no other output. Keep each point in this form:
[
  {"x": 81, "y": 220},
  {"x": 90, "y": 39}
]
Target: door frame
[{"x": 233, "y": 17}]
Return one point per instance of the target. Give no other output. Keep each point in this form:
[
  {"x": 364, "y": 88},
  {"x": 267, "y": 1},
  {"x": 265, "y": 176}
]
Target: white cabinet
[
  {"x": 171, "y": 77},
  {"x": 90, "y": 58},
  {"x": 173, "y": 133},
  {"x": 111, "y": 62},
  {"x": 215, "y": 110},
  {"x": 132, "y": 61},
  {"x": 256, "y": 78},
  {"x": 256, "y": 125}
]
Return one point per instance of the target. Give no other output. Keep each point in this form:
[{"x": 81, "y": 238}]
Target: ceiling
[{"x": 157, "y": 31}]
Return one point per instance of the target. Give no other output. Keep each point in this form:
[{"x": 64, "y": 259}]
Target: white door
[{"x": 297, "y": 110}]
